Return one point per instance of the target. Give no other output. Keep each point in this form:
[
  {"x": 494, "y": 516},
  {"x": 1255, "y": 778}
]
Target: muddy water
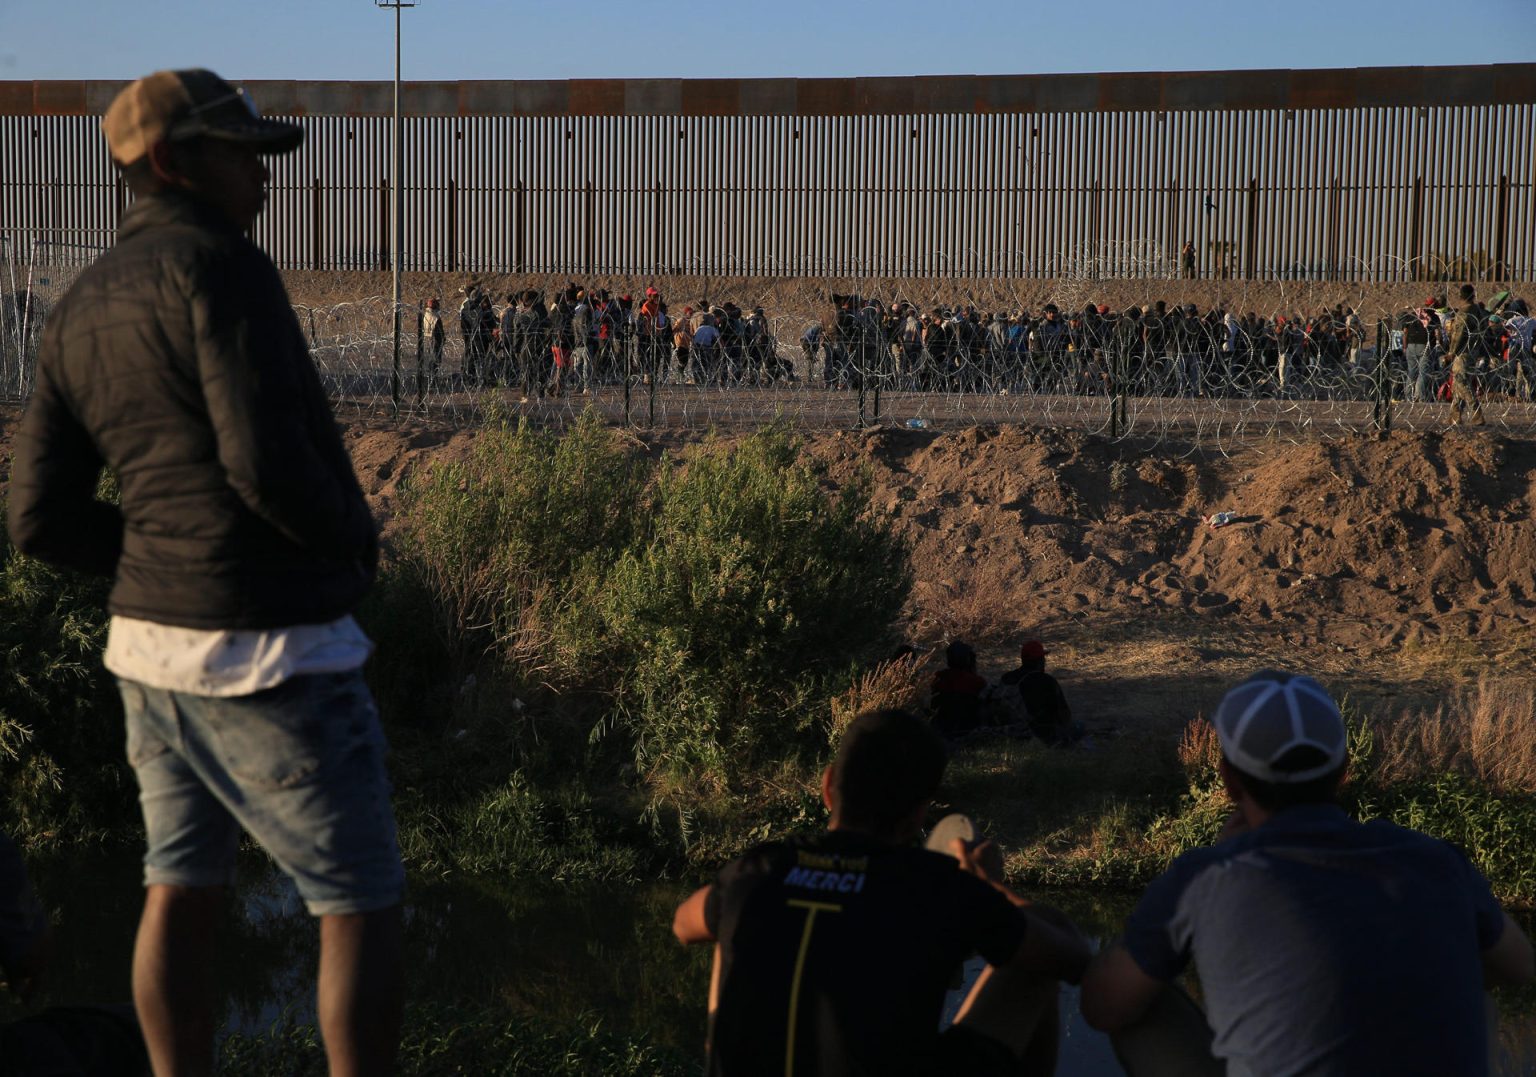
[{"x": 569, "y": 952}]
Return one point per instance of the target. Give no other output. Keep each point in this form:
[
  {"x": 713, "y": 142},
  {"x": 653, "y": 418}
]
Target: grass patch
[
  {"x": 592, "y": 662},
  {"x": 451, "y": 1040},
  {"x": 1117, "y": 815}
]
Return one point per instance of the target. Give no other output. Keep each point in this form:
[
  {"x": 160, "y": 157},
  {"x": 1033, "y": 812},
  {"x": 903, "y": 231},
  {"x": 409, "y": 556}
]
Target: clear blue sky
[{"x": 481, "y": 39}]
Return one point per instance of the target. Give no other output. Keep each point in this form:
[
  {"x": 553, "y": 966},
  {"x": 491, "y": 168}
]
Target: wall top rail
[{"x": 1362, "y": 87}]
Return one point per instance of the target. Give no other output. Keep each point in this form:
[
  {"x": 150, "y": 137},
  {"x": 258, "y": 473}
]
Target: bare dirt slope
[
  {"x": 1362, "y": 543},
  {"x": 1400, "y": 565}
]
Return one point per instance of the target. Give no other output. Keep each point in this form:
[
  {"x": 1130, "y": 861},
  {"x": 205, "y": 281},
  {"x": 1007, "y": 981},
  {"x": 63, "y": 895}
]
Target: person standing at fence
[
  {"x": 706, "y": 352},
  {"x": 1189, "y": 339},
  {"x": 581, "y": 342},
  {"x": 1415, "y": 328},
  {"x": 654, "y": 335},
  {"x": 506, "y": 341},
  {"x": 469, "y": 333},
  {"x": 1522, "y": 347},
  {"x": 1467, "y": 326},
  {"x": 810, "y": 345},
  {"x": 560, "y": 340},
  {"x": 240, "y": 546},
  {"x": 1125, "y": 360},
  {"x": 1187, "y": 259},
  {"x": 682, "y": 341},
  {"x": 1052, "y": 332},
  {"x": 1155, "y": 344},
  {"x": 485, "y": 341},
  {"x": 936, "y": 341},
  {"x": 432, "y": 335}
]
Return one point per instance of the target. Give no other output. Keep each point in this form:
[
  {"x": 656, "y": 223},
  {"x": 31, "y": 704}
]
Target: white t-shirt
[{"x": 226, "y": 662}]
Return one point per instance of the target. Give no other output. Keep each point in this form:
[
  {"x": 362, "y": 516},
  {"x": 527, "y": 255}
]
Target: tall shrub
[
  {"x": 751, "y": 597},
  {"x": 63, "y": 777},
  {"x": 496, "y": 536}
]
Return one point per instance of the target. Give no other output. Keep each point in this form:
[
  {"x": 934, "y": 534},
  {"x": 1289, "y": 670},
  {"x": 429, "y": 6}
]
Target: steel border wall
[{"x": 1357, "y": 174}]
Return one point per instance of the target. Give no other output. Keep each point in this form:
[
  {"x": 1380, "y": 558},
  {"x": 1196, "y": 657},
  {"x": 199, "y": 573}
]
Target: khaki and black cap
[{"x": 177, "y": 105}]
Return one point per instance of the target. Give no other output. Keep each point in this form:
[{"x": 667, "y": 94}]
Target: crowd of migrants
[{"x": 584, "y": 337}]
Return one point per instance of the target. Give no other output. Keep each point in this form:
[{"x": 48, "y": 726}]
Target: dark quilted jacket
[{"x": 176, "y": 361}]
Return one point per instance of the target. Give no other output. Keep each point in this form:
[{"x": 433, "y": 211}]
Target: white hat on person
[{"x": 1263, "y": 721}]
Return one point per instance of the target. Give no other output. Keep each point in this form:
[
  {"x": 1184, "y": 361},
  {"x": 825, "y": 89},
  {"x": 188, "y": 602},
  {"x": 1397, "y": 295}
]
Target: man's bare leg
[
  {"x": 171, "y": 981},
  {"x": 361, "y": 972},
  {"x": 1017, "y": 1009}
]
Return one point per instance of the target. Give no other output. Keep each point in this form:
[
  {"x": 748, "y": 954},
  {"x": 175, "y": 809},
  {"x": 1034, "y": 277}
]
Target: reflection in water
[{"x": 597, "y": 955}]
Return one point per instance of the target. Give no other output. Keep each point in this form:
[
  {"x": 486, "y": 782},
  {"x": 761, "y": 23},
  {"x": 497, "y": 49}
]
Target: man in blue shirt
[{"x": 1324, "y": 946}]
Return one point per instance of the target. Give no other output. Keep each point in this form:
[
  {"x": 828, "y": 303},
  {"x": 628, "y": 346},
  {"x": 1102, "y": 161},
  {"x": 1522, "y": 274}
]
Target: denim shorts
[{"x": 300, "y": 767}]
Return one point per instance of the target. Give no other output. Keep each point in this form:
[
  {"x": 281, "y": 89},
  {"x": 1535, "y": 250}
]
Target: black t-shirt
[
  {"x": 836, "y": 951},
  {"x": 1043, "y": 700}
]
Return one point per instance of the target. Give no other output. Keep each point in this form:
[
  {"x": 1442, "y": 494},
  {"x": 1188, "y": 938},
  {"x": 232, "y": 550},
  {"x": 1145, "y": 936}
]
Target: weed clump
[
  {"x": 751, "y": 595},
  {"x": 63, "y": 779},
  {"x": 670, "y": 629}
]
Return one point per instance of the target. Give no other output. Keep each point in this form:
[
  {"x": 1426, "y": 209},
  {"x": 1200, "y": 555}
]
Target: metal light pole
[{"x": 396, "y": 224}]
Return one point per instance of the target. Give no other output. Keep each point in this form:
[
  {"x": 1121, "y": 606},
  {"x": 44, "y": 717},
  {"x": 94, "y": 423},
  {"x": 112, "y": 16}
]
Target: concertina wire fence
[{"x": 1277, "y": 373}]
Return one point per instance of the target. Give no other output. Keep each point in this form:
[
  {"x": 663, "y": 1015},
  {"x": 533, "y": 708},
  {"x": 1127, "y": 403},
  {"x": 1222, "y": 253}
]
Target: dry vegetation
[{"x": 1486, "y": 733}]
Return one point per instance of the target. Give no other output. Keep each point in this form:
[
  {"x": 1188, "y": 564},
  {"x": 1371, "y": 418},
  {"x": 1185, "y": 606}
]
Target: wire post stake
[{"x": 396, "y": 224}]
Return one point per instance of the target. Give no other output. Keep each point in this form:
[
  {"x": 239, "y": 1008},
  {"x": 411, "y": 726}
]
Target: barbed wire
[{"x": 984, "y": 352}]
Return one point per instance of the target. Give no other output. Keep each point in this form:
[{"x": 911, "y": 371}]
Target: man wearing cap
[
  {"x": 1465, "y": 328},
  {"x": 239, "y": 548},
  {"x": 1323, "y": 945},
  {"x": 1415, "y": 326},
  {"x": 433, "y": 334},
  {"x": 1040, "y": 695}
]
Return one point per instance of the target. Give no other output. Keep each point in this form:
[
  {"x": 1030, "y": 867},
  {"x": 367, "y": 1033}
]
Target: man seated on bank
[
  {"x": 835, "y": 950},
  {"x": 957, "y": 693},
  {"x": 1323, "y": 945},
  {"x": 1040, "y": 696}
]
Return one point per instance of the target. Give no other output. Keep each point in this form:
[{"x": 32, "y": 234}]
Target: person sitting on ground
[
  {"x": 835, "y": 950},
  {"x": 1323, "y": 945},
  {"x": 958, "y": 692},
  {"x": 1040, "y": 696}
]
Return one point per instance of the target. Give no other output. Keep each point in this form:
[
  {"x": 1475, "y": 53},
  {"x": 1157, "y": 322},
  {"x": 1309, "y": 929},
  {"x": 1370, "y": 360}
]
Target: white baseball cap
[{"x": 1271, "y": 714}]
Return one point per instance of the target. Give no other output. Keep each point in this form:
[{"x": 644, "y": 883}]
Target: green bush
[
  {"x": 554, "y": 831},
  {"x": 571, "y": 634},
  {"x": 63, "y": 777},
  {"x": 1113, "y": 845},
  {"x": 1496, "y": 831},
  {"x": 684, "y": 622},
  {"x": 752, "y": 596},
  {"x": 495, "y": 536}
]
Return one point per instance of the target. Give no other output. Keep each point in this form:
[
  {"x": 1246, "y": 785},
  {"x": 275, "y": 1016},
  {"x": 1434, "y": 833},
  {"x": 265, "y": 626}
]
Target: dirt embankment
[
  {"x": 1410, "y": 558},
  {"x": 1361, "y": 544}
]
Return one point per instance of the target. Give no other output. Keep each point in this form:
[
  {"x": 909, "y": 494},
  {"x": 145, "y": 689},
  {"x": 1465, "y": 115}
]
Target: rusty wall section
[{"x": 1383, "y": 174}]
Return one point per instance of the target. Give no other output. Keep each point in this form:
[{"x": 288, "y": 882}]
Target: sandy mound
[
  {"x": 1359, "y": 544},
  {"x": 1359, "y": 550}
]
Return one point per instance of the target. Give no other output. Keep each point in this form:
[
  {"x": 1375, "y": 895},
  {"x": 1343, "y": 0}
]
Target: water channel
[{"x": 588, "y": 953}]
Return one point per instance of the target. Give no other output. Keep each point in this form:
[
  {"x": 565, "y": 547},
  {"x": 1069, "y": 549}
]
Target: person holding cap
[
  {"x": 1323, "y": 945},
  {"x": 239, "y": 547}
]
